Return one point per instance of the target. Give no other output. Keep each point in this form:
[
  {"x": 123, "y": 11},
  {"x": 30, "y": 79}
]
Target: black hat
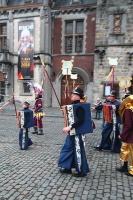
[
  {"x": 113, "y": 94},
  {"x": 26, "y": 103},
  {"x": 126, "y": 95},
  {"x": 79, "y": 92}
]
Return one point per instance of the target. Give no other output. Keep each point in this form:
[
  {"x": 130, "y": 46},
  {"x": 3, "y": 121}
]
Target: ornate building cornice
[
  {"x": 68, "y": 10},
  {"x": 21, "y": 8}
]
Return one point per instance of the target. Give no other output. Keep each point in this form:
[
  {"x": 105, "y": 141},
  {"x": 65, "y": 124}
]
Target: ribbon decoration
[{"x": 111, "y": 75}]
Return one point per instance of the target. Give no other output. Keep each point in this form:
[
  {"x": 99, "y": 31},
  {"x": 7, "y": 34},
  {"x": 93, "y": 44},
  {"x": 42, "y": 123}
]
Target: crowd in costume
[
  {"x": 73, "y": 154},
  {"x": 112, "y": 125}
]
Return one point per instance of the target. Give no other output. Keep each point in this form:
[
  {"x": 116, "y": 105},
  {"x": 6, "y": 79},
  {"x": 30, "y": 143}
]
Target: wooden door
[{"x": 67, "y": 86}]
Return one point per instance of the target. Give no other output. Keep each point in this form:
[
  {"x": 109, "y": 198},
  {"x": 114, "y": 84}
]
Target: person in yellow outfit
[{"x": 126, "y": 152}]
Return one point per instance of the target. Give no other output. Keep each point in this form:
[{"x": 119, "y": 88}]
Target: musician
[
  {"x": 113, "y": 144},
  {"x": 126, "y": 153},
  {"x": 38, "y": 114},
  {"x": 69, "y": 157},
  {"x": 24, "y": 140}
]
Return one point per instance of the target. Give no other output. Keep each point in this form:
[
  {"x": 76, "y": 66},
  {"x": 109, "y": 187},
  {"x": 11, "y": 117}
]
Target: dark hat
[
  {"x": 26, "y": 103},
  {"x": 79, "y": 92},
  {"x": 126, "y": 95},
  {"x": 113, "y": 94}
]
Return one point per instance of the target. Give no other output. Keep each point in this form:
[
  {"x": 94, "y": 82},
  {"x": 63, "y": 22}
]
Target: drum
[{"x": 107, "y": 112}]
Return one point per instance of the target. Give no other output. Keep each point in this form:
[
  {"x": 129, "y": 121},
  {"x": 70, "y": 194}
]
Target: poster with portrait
[{"x": 25, "y": 49}]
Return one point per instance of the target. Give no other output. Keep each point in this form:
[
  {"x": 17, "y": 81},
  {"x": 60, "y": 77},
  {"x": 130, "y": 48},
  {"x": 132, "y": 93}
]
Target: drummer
[{"x": 107, "y": 143}]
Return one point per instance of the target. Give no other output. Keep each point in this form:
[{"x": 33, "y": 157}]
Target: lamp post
[{"x": 113, "y": 62}]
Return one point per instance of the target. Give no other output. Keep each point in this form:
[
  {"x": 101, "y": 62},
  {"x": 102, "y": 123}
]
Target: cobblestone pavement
[{"x": 33, "y": 174}]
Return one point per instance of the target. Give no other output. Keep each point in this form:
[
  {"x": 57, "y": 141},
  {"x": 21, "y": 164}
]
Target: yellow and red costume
[{"x": 126, "y": 113}]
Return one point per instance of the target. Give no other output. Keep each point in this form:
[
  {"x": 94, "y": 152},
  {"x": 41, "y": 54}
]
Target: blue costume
[
  {"x": 69, "y": 157},
  {"x": 107, "y": 143},
  {"x": 26, "y": 121}
]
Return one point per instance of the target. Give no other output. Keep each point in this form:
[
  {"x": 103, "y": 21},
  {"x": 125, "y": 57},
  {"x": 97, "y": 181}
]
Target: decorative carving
[
  {"x": 117, "y": 23},
  {"x": 10, "y": 16},
  {"x": 41, "y": 13},
  {"x": 118, "y": 11},
  {"x": 45, "y": 12}
]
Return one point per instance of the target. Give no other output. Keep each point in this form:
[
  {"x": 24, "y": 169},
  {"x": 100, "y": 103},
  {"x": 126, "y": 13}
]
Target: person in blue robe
[
  {"x": 24, "y": 140},
  {"x": 73, "y": 154},
  {"x": 107, "y": 142}
]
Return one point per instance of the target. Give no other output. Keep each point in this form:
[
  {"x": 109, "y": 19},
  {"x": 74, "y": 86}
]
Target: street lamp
[
  {"x": 101, "y": 54},
  {"x": 113, "y": 62}
]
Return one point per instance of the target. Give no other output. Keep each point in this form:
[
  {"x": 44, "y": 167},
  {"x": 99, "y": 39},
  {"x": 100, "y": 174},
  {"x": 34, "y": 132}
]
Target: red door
[{"x": 68, "y": 85}]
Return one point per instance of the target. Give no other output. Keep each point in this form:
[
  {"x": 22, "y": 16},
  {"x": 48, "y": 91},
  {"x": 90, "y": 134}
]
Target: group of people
[
  {"x": 121, "y": 142},
  {"x": 27, "y": 120},
  {"x": 73, "y": 153}
]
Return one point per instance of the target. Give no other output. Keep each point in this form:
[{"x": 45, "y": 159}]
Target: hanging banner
[{"x": 25, "y": 49}]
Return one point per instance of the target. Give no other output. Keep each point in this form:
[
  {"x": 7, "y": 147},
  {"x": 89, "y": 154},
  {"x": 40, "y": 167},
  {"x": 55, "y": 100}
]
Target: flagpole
[
  {"x": 112, "y": 77},
  {"x": 14, "y": 105}
]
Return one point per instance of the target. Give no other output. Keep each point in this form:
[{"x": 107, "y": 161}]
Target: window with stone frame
[
  {"x": 3, "y": 37},
  {"x": 26, "y": 88},
  {"x": 74, "y": 36}
]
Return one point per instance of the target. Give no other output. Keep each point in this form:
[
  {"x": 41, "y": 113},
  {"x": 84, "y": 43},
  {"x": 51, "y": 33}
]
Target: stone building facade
[
  {"x": 80, "y": 33},
  {"x": 73, "y": 25},
  {"x": 114, "y": 27},
  {"x": 49, "y": 20},
  {"x": 15, "y": 16}
]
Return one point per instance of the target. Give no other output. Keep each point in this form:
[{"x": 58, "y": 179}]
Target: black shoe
[
  {"x": 122, "y": 169},
  {"x": 98, "y": 148},
  {"x": 65, "y": 171},
  {"x": 40, "y": 133},
  {"x": 128, "y": 174},
  {"x": 35, "y": 132},
  {"x": 79, "y": 174}
]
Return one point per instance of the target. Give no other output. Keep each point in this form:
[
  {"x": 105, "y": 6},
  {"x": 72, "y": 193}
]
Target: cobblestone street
[{"x": 33, "y": 174}]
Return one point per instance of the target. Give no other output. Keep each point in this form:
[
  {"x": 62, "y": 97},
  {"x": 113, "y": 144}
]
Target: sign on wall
[{"x": 25, "y": 49}]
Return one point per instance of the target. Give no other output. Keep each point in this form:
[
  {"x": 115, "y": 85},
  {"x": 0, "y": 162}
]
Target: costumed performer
[
  {"x": 126, "y": 153},
  {"x": 68, "y": 158},
  {"x": 25, "y": 118},
  {"x": 113, "y": 144},
  {"x": 38, "y": 110}
]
